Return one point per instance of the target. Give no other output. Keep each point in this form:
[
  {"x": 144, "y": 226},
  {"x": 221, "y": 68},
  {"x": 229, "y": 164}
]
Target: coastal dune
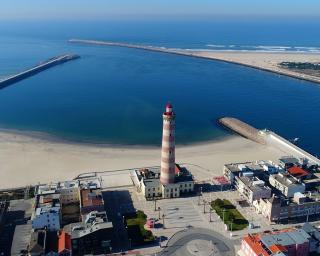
[{"x": 28, "y": 160}]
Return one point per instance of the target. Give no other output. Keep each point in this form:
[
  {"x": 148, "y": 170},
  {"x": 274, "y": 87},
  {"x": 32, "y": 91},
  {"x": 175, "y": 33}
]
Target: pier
[
  {"x": 222, "y": 56},
  {"x": 242, "y": 128},
  {"x": 268, "y": 138},
  {"x": 36, "y": 69}
]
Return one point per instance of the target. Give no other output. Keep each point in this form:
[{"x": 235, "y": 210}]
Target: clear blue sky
[{"x": 13, "y": 9}]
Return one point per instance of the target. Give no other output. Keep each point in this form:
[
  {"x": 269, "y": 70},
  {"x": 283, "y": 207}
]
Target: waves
[{"x": 262, "y": 48}]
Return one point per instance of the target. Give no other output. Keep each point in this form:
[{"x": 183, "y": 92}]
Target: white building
[
  {"x": 252, "y": 188},
  {"x": 68, "y": 190},
  {"x": 286, "y": 184},
  {"x": 148, "y": 183}
]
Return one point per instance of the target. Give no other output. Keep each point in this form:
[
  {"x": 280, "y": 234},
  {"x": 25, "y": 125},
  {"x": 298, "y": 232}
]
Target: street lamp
[
  {"x": 210, "y": 214},
  {"x": 155, "y": 204},
  {"x": 159, "y": 209},
  {"x": 163, "y": 221},
  {"x": 200, "y": 194},
  {"x": 204, "y": 206},
  {"x": 129, "y": 243}
]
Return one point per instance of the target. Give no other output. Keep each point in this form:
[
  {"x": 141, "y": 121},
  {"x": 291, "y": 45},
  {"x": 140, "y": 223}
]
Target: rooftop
[
  {"x": 268, "y": 243},
  {"x": 152, "y": 175},
  {"x": 298, "y": 172},
  {"x": 253, "y": 183},
  {"x": 285, "y": 179},
  {"x": 95, "y": 221},
  {"x": 285, "y": 237},
  {"x": 91, "y": 197},
  {"x": 90, "y": 183},
  {"x": 55, "y": 187},
  {"x": 289, "y": 160}
]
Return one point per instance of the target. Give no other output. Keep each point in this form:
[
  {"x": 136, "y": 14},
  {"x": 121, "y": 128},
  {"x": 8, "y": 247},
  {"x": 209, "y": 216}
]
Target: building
[
  {"x": 270, "y": 208},
  {"x": 43, "y": 242},
  {"x": 231, "y": 171},
  {"x": 64, "y": 244},
  {"x": 286, "y": 184},
  {"x": 3, "y": 210},
  {"x": 277, "y": 209},
  {"x": 298, "y": 173},
  {"x": 288, "y": 242},
  {"x": 47, "y": 214},
  {"x": 315, "y": 237},
  {"x": 288, "y": 161},
  {"x": 92, "y": 236},
  {"x": 260, "y": 169},
  {"x": 252, "y": 188},
  {"x": 91, "y": 200},
  {"x": 68, "y": 190},
  {"x": 150, "y": 186},
  {"x": 171, "y": 180}
]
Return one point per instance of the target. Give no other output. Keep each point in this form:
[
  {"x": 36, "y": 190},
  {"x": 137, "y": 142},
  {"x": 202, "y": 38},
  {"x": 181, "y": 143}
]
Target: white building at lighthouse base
[{"x": 148, "y": 183}]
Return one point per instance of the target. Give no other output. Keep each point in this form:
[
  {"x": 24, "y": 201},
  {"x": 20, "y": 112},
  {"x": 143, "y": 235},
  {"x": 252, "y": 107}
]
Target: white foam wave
[{"x": 216, "y": 45}]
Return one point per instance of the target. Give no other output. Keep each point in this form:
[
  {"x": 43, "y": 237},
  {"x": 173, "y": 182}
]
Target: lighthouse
[{"x": 167, "y": 172}]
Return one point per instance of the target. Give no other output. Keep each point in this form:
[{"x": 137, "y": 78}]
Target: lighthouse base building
[
  {"x": 170, "y": 180},
  {"x": 148, "y": 183}
]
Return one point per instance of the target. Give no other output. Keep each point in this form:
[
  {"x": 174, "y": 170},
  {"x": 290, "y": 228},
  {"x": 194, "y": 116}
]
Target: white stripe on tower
[{"x": 168, "y": 146}]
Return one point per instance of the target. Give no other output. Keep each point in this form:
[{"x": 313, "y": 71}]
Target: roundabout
[{"x": 198, "y": 242}]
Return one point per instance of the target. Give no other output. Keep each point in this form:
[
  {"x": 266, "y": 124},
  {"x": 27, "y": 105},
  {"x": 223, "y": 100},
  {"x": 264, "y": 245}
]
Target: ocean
[{"x": 115, "y": 95}]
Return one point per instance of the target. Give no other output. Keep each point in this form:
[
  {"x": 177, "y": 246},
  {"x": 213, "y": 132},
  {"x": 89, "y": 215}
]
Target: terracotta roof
[
  {"x": 64, "y": 242},
  {"x": 177, "y": 169},
  {"x": 91, "y": 197},
  {"x": 254, "y": 242},
  {"x": 275, "y": 248},
  {"x": 298, "y": 171}
]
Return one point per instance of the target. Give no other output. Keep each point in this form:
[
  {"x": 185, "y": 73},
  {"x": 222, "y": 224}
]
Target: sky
[{"x": 90, "y": 9}]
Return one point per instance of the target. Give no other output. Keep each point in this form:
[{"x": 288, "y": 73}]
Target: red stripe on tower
[{"x": 168, "y": 146}]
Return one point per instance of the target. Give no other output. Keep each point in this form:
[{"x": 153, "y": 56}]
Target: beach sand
[
  {"x": 264, "y": 60},
  {"x": 27, "y": 160}
]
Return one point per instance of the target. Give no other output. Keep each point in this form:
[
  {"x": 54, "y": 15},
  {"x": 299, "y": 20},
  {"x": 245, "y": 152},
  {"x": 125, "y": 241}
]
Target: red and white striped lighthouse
[{"x": 168, "y": 147}]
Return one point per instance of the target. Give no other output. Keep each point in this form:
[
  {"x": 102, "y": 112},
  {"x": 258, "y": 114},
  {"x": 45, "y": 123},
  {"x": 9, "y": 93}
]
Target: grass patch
[
  {"x": 231, "y": 214},
  {"x": 136, "y": 231}
]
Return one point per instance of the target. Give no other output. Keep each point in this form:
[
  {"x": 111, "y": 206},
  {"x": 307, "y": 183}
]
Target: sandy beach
[
  {"x": 27, "y": 160},
  {"x": 263, "y": 60},
  {"x": 267, "y": 61}
]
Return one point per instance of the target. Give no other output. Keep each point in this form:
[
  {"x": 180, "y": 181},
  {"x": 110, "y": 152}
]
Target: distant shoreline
[{"x": 265, "y": 61}]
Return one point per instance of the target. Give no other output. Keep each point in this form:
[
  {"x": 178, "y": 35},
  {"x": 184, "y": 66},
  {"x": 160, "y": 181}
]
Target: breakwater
[
  {"x": 242, "y": 129},
  {"x": 268, "y": 138},
  {"x": 36, "y": 69},
  {"x": 225, "y": 57}
]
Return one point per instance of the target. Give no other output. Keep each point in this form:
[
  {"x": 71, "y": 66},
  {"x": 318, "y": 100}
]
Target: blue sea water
[{"x": 116, "y": 95}]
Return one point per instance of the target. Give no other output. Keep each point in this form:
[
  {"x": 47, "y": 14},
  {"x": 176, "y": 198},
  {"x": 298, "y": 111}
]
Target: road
[
  {"x": 114, "y": 203},
  {"x": 198, "y": 241}
]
